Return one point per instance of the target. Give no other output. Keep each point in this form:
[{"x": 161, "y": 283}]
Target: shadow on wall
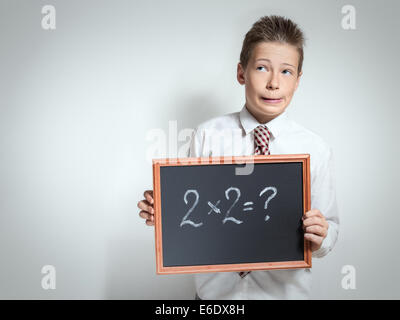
[{"x": 191, "y": 110}]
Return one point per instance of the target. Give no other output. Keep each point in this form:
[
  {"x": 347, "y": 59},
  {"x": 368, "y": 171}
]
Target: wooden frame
[{"x": 158, "y": 163}]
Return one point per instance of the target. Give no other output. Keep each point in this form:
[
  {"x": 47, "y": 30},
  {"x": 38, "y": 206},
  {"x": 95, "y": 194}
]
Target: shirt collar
[{"x": 249, "y": 123}]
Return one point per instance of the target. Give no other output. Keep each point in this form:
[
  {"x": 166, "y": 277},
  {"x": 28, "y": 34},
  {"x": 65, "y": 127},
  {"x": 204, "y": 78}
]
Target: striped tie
[
  {"x": 261, "y": 140},
  {"x": 261, "y": 146}
]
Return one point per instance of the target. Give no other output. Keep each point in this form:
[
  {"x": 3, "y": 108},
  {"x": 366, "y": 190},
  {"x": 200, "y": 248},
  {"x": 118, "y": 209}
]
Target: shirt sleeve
[{"x": 323, "y": 197}]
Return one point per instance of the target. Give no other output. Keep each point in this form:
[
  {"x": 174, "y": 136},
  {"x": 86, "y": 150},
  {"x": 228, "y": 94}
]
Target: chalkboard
[{"x": 212, "y": 215}]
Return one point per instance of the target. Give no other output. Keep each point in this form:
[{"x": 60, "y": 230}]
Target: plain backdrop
[{"x": 77, "y": 105}]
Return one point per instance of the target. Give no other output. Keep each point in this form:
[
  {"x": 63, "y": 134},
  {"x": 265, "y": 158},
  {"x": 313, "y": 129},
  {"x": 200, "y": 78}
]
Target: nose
[{"x": 273, "y": 82}]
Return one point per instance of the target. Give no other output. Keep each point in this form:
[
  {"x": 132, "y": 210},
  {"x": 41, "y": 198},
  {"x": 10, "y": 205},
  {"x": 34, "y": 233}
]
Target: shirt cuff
[{"x": 328, "y": 242}]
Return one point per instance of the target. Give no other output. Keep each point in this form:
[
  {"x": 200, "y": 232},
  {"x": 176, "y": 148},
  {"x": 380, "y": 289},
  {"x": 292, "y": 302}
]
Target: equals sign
[{"x": 248, "y": 204}]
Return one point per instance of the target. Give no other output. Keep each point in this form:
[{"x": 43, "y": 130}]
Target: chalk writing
[
  {"x": 184, "y": 220},
  {"x": 247, "y": 206},
  {"x": 269, "y": 198}
]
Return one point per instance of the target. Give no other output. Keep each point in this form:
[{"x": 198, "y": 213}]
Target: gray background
[{"x": 77, "y": 103}]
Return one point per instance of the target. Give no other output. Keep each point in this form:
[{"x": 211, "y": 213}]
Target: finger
[
  {"x": 317, "y": 230},
  {"x": 146, "y": 215},
  {"x": 148, "y": 194},
  {"x": 149, "y": 223},
  {"x": 313, "y": 238},
  {"x": 312, "y": 213},
  {"x": 314, "y": 221},
  {"x": 146, "y": 206}
]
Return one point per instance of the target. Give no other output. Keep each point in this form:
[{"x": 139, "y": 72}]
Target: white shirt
[{"x": 232, "y": 135}]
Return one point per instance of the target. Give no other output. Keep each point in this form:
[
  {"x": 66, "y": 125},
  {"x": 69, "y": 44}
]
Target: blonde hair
[{"x": 269, "y": 29}]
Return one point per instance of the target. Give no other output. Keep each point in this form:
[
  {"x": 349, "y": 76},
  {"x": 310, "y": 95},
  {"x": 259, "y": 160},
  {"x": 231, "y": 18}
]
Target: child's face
[{"x": 270, "y": 79}]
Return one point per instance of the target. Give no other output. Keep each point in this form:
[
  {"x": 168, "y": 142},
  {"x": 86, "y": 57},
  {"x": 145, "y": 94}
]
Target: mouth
[{"x": 271, "y": 100}]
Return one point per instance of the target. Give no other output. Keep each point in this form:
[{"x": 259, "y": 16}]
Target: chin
[{"x": 271, "y": 110}]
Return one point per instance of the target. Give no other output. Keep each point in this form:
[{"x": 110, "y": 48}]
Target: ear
[
  {"x": 240, "y": 74},
  {"x": 298, "y": 80}
]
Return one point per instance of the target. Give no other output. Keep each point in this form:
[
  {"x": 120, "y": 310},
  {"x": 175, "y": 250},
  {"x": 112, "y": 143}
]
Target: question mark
[{"x": 275, "y": 191}]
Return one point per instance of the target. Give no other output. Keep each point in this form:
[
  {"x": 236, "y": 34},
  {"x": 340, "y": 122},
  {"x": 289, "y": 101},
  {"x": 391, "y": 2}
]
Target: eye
[
  {"x": 290, "y": 72},
  {"x": 258, "y": 68}
]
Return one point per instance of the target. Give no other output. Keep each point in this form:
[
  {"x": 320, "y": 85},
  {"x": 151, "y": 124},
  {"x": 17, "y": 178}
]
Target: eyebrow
[{"x": 263, "y": 59}]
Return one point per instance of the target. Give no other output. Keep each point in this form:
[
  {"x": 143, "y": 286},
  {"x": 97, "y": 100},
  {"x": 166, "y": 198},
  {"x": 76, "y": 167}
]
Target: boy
[{"x": 270, "y": 67}]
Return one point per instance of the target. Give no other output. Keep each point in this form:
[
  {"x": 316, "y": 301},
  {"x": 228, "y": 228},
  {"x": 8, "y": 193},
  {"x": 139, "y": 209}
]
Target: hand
[
  {"x": 315, "y": 228},
  {"x": 147, "y": 207}
]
